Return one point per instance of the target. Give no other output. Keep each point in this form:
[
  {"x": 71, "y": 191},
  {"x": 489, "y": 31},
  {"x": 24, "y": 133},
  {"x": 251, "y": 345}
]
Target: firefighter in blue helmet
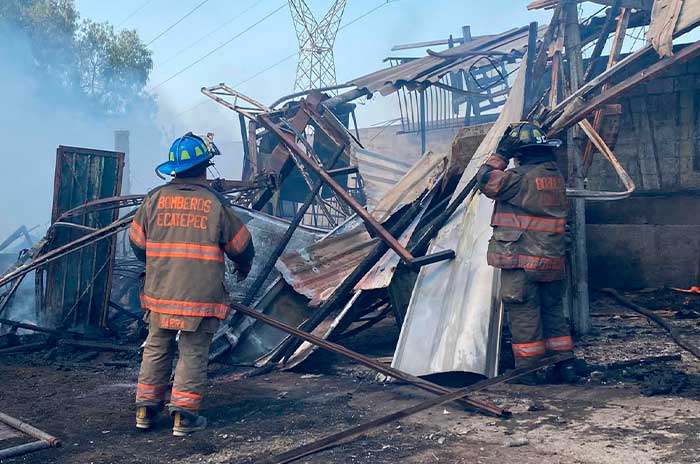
[{"x": 183, "y": 231}]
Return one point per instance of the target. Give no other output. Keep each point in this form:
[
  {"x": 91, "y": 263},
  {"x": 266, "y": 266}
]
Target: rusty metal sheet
[
  {"x": 430, "y": 69},
  {"x": 319, "y": 269}
]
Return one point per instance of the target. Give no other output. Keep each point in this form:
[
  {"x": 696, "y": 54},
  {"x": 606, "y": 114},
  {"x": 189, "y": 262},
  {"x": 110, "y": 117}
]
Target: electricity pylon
[{"x": 316, "y": 67}]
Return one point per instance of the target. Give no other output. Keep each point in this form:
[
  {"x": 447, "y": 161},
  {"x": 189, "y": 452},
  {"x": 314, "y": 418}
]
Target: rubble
[{"x": 351, "y": 241}]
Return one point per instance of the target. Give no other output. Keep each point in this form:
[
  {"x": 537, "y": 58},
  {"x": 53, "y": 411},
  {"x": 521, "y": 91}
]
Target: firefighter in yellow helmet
[
  {"x": 528, "y": 243},
  {"x": 183, "y": 231}
]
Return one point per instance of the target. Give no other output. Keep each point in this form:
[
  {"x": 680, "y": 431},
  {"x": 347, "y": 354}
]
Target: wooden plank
[{"x": 608, "y": 27}]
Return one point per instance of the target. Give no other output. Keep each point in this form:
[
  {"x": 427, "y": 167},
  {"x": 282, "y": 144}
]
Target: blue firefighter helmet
[{"x": 185, "y": 153}]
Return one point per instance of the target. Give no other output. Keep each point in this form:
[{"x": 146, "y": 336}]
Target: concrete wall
[{"x": 653, "y": 238}]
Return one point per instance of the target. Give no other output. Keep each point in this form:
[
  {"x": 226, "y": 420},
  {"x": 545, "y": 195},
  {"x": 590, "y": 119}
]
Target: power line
[
  {"x": 362, "y": 16},
  {"x": 207, "y": 55},
  {"x": 167, "y": 29},
  {"x": 286, "y": 58},
  {"x": 134, "y": 13},
  {"x": 212, "y": 32}
]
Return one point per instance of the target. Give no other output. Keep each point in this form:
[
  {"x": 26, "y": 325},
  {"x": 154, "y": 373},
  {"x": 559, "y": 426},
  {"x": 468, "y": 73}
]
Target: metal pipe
[
  {"x": 364, "y": 360},
  {"x": 21, "y": 450},
  {"x": 29, "y": 430},
  {"x": 345, "y": 97},
  {"x": 306, "y": 92},
  {"x": 36, "y": 328},
  {"x": 68, "y": 248}
]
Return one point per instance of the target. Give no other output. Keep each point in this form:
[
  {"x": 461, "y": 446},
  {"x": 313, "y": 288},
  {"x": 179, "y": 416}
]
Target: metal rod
[
  {"x": 337, "y": 438},
  {"x": 364, "y": 360},
  {"x": 68, "y": 248},
  {"x": 306, "y": 92},
  {"x": 369, "y": 220}
]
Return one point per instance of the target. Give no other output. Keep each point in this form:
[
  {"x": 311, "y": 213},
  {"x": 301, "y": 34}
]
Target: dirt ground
[{"x": 639, "y": 414}]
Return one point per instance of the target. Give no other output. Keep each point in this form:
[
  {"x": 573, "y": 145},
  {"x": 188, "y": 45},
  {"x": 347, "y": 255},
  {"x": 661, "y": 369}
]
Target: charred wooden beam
[
  {"x": 578, "y": 110},
  {"x": 602, "y": 38}
]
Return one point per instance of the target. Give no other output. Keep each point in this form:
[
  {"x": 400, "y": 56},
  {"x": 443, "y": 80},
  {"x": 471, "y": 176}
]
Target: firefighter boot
[
  {"x": 144, "y": 417},
  {"x": 566, "y": 372},
  {"x": 185, "y": 423}
]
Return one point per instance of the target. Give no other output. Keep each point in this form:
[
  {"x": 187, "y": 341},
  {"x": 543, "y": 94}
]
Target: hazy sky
[{"x": 360, "y": 47}]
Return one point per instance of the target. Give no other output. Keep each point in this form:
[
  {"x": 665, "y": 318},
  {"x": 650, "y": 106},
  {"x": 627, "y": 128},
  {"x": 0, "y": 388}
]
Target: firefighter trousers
[
  {"x": 190, "y": 373},
  {"x": 535, "y": 316}
]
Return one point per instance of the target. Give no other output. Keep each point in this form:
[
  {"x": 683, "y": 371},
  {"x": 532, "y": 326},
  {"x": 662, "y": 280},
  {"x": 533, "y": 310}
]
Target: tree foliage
[{"x": 84, "y": 58}]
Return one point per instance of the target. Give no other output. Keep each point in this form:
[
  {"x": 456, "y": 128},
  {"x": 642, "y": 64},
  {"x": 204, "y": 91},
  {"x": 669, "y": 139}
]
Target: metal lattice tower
[{"x": 316, "y": 68}]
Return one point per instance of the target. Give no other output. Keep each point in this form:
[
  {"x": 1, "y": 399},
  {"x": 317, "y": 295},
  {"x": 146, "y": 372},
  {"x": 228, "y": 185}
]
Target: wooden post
[{"x": 579, "y": 281}]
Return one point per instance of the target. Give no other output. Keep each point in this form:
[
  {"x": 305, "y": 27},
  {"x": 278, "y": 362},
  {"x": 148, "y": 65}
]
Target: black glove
[
  {"x": 241, "y": 273},
  {"x": 506, "y": 146}
]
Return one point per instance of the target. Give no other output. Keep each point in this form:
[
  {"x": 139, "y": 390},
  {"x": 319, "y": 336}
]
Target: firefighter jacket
[
  {"x": 529, "y": 219},
  {"x": 182, "y": 231}
]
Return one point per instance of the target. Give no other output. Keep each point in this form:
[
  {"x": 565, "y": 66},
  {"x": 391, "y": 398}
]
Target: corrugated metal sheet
[
  {"x": 319, "y": 269},
  {"x": 379, "y": 172},
  {"x": 432, "y": 68},
  {"x": 453, "y": 320}
]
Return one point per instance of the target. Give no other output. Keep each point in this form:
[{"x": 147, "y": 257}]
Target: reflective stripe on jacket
[
  {"x": 183, "y": 230},
  {"x": 529, "y": 218}
]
